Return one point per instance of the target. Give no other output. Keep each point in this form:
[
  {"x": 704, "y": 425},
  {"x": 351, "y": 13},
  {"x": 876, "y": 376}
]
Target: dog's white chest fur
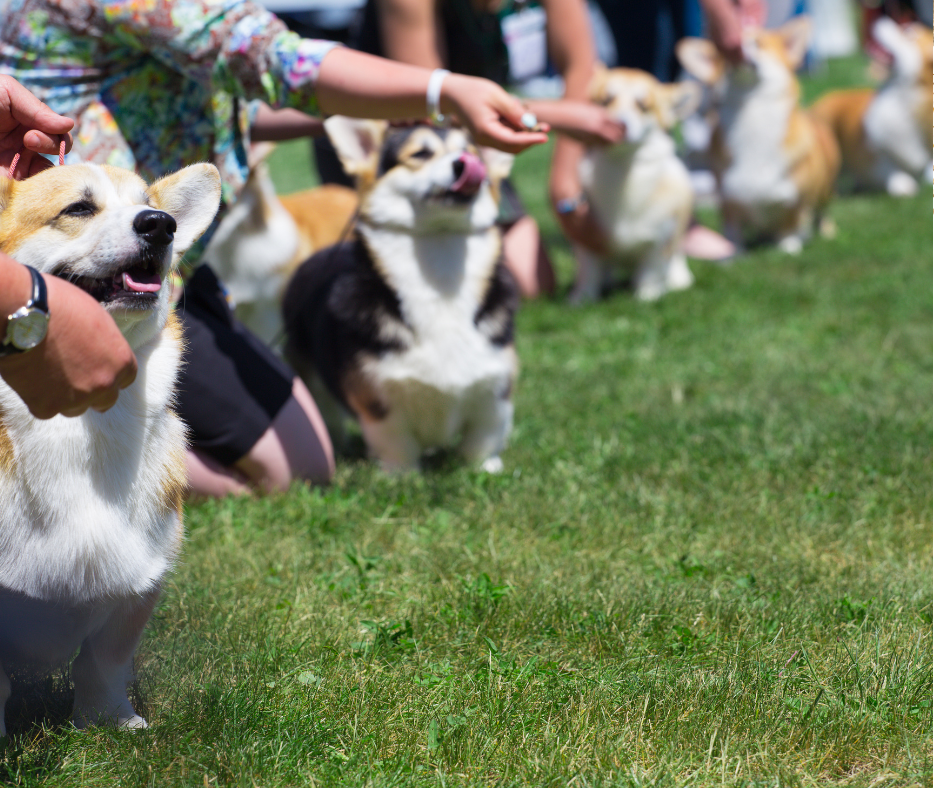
[
  {"x": 640, "y": 196},
  {"x": 82, "y": 499},
  {"x": 755, "y": 129},
  {"x": 440, "y": 281}
]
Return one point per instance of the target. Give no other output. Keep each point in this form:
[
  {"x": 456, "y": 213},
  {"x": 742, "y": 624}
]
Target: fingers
[
  {"x": 45, "y": 143},
  {"x": 28, "y": 110},
  {"x": 497, "y": 135}
]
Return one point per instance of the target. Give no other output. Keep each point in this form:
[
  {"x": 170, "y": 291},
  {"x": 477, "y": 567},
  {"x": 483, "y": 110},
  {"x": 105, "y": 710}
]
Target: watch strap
[{"x": 40, "y": 298}]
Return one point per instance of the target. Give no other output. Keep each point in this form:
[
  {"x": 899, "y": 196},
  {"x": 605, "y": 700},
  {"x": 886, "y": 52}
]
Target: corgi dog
[
  {"x": 409, "y": 325},
  {"x": 775, "y": 163},
  {"x": 262, "y": 239},
  {"x": 90, "y": 507},
  {"x": 639, "y": 190},
  {"x": 886, "y": 135}
]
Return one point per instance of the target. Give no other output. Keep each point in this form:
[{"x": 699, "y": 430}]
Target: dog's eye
[
  {"x": 606, "y": 101},
  {"x": 422, "y": 154},
  {"x": 80, "y": 208},
  {"x": 644, "y": 104}
]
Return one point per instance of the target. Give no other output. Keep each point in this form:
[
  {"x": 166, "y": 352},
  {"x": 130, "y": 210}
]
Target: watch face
[{"x": 29, "y": 330}]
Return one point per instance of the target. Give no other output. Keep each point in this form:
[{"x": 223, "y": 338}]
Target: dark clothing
[
  {"x": 646, "y": 33},
  {"x": 231, "y": 384}
]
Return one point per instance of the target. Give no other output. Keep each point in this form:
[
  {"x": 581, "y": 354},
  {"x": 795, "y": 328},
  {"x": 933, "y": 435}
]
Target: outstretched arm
[{"x": 365, "y": 86}]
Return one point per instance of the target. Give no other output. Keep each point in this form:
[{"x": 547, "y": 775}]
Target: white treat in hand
[{"x": 530, "y": 121}]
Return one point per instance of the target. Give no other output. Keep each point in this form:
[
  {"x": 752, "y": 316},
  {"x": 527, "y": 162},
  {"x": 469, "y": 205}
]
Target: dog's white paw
[
  {"x": 827, "y": 228},
  {"x": 492, "y": 465},
  {"x": 791, "y": 244},
  {"x": 901, "y": 184}
]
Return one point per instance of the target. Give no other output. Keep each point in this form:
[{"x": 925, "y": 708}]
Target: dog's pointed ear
[
  {"x": 357, "y": 142},
  {"x": 677, "y": 101},
  {"x": 191, "y": 196},
  {"x": 498, "y": 163},
  {"x": 797, "y": 35},
  {"x": 701, "y": 58}
]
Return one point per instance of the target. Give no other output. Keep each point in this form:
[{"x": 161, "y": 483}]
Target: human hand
[
  {"x": 588, "y": 123},
  {"x": 726, "y": 22},
  {"x": 28, "y": 127},
  {"x": 83, "y": 362},
  {"x": 493, "y": 116}
]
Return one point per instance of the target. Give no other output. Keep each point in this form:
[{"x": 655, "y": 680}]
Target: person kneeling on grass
[{"x": 154, "y": 87}]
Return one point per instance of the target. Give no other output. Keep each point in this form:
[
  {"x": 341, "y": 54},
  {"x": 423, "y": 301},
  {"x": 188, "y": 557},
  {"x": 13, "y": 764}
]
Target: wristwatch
[{"x": 27, "y": 326}]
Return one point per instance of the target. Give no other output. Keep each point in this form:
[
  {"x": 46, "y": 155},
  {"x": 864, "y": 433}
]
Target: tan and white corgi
[
  {"x": 90, "y": 507},
  {"x": 263, "y": 238},
  {"x": 886, "y": 135},
  {"x": 775, "y": 163},
  {"x": 410, "y": 324},
  {"x": 639, "y": 190}
]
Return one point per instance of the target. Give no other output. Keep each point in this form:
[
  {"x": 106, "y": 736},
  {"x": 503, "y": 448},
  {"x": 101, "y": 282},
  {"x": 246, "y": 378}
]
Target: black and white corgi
[{"x": 410, "y": 324}]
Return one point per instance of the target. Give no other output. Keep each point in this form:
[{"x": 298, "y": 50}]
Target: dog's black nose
[{"x": 156, "y": 227}]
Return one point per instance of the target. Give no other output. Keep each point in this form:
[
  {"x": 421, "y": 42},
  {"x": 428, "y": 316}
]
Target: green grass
[{"x": 708, "y": 562}]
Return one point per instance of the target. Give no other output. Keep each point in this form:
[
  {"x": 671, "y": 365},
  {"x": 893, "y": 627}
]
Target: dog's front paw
[
  {"x": 492, "y": 465},
  {"x": 791, "y": 244},
  {"x": 900, "y": 184}
]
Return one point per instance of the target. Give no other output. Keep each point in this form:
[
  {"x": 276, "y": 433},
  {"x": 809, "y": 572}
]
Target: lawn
[{"x": 708, "y": 561}]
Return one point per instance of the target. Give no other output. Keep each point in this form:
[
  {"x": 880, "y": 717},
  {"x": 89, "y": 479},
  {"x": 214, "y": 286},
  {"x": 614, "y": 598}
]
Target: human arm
[
  {"x": 361, "y": 85},
  {"x": 571, "y": 48},
  {"x": 249, "y": 53},
  {"x": 83, "y": 362},
  {"x": 585, "y": 122},
  {"x": 28, "y": 127},
  {"x": 410, "y": 32},
  {"x": 277, "y": 125}
]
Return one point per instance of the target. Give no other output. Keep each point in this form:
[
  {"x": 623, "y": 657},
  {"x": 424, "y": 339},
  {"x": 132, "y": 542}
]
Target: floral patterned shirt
[{"x": 154, "y": 85}]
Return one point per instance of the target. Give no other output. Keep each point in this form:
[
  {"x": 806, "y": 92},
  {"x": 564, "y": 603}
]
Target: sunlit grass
[{"x": 708, "y": 562}]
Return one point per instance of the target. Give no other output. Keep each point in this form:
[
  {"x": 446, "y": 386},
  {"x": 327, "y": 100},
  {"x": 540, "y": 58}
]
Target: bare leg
[
  {"x": 104, "y": 667},
  {"x": 296, "y": 446},
  {"x": 590, "y": 277},
  {"x": 208, "y": 478},
  {"x": 526, "y": 258},
  {"x": 392, "y": 444}
]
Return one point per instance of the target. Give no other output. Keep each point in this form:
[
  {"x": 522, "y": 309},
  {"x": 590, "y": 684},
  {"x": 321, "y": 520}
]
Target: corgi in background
[
  {"x": 775, "y": 163},
  {"x": 886, "y": 135},
  {"x": 91, "y": 506},
  {"x": 263, "y": 238},
  {"x": 639, "y": 190},
  {"x": 409, "y": 326}
]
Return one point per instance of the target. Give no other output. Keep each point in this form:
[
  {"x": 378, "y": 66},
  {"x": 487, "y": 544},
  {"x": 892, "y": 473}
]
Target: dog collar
[{"x": 28, "y": 325}]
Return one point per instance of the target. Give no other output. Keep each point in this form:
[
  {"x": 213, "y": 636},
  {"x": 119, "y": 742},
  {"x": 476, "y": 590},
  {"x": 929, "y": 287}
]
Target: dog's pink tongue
[
  {"x": 471, "y": 175},
  {"x": 141, "y": 282}
]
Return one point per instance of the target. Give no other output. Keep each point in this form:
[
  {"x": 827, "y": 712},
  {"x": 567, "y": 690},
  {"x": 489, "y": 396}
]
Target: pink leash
[{"x": 16, "y": 158}]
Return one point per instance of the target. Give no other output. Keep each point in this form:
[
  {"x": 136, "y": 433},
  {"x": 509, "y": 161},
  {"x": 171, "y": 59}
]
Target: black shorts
[{"x": 231, "y": 385}]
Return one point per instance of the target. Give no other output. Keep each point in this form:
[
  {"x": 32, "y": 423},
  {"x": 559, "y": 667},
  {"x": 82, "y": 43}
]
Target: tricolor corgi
[
  {"x": 263, "y": 238},
  {"x": 639, "y": 190},
  {"x": 886, "y": 135},
  {"x": 410, "y": 324},
  {"x": 90, "y": 507},
  {"x": 775, "y": 163}
]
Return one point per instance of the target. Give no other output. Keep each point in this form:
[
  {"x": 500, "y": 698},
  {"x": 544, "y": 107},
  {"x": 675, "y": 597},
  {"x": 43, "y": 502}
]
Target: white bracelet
[{"x": 434, "y": 95}]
